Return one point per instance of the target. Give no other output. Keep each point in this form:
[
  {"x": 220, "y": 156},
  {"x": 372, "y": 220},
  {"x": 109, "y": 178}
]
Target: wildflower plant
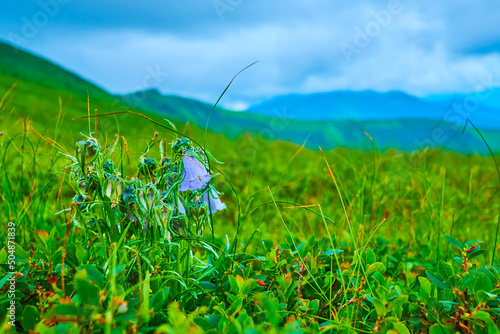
[
  {"x": 173, "y": 190},
  {"x": 166, "y": 205}
]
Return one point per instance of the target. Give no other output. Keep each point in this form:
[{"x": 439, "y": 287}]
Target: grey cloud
[{"x": 425, "y": 48}]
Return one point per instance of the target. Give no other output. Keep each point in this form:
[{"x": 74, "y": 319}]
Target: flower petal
[
  {"x": 215, "y": 202},
  {"x": 194, "y": 176}
]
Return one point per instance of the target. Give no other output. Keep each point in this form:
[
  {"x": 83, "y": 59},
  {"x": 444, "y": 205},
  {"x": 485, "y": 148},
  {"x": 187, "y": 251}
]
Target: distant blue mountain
[
  {"x": 274, "y": 122},
  {"x": 485, "y": 100},
  {"x": 371, "y": 105}
]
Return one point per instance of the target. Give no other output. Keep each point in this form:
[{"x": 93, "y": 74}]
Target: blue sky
[{"x": 192, "y": 48}]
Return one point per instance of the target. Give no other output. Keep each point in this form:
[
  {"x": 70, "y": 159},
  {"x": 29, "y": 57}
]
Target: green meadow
[{"x": 94, "y": 240}]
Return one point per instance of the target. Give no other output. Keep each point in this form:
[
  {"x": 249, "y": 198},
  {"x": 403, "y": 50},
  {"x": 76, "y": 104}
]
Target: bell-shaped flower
[
  {"x": 194, "y": 176},
  {"x": 213, "y": 201}
]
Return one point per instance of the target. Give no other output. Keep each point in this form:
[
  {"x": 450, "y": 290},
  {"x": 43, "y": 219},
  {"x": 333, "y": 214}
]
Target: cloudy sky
[{"x": 193, "y": 48}]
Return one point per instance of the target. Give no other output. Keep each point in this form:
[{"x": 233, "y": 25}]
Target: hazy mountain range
[
  {"x": 393, "y": 119},
  {"x": 482, "y": 108}
]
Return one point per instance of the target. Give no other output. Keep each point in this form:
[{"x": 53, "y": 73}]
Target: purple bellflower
[
  {"x": 194, "y": 176},
  {"x": 215, "y": 203}
]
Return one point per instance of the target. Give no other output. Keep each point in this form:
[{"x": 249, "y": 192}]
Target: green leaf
[
  {"x": 144, "y": 308},
  {"x": 31, "y": 317},
  {"x": 159, "y": 299},
  {"x": 43, "y": 236},
  {"x": 398, "y": 302},
  {"x": 474, "y": 242},
  {"x": 235, "y": 307},
  {"x": 439, "y": 329},
  {"x": 80, "y": 254},
  {"x": 370, "y": 256},
  {"x": 484, "y": 296},
  {"x": 445, "y": 270},
  {"x": 207, "y": 285},
  {"x": 454, "y": 242},
  {"x": 438, "y": 280},
  {"x": 332, "y": 252},
  {"x": 56, "y": 257},
  {"x": 476, "y": 253},
  {"x": 3, "y": 280},
  {"x": 86, "y": 291},
  {"x": 271, "y": 307},
  {"x": 379, "y": 278},
  {"x": 483, "y": 283},
  {"x": 382, "y": 293},
  {"x": 64, "y": 309},
  {"x": 52, "y": 240},
  {"x": 377, "y": 267},
  {"x": 205, "y": 324},
  {"x": 65, "y": 328},
  {"x": 401, "y": 328},
  {"x": 426, "y": 285},
  {"x": 41, "y": 328},
  {"x": 467, "y": 282},
  {"x": 213, "y": 319},
  {"x": 3, "y": 256},
  {"x": 234, "y": 285},
  {"x": 118, "y": 269},
  {"x": 379, "y": 307},
  {"x": 93, "y": 274},
  {"x": 492, "y": 328},
  {"x": 21, "y": 253},
  {"x": 314, "y": 307}
]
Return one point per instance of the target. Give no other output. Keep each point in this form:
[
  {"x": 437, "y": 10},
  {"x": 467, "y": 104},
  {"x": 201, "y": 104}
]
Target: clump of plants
[{"x": 170, "y": 199}]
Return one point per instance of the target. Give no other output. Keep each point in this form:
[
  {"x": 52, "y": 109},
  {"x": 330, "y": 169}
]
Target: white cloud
[{"x": 237, "y": 105}]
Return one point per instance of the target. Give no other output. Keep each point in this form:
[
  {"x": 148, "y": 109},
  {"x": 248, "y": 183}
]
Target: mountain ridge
[{"x": 369, "y": 105}]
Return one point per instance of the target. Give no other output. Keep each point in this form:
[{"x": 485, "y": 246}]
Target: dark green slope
[
  {"x": 40, "y": 91},
  {"x": 24, "y": 66},
  {"x": 231, "y": 124}
]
